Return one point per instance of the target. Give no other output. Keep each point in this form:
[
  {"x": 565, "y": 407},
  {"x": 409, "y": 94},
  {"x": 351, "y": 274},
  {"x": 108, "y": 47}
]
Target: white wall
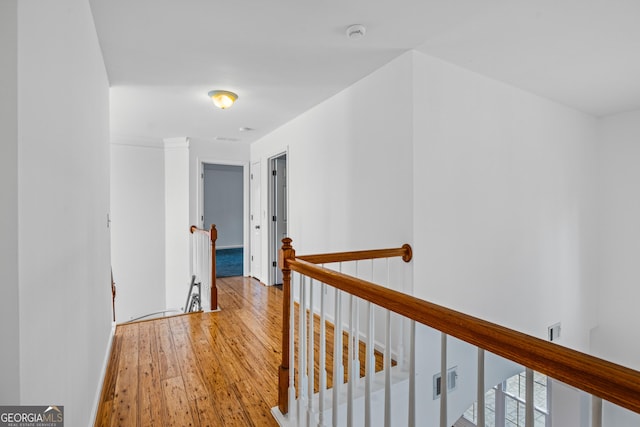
[
  {"x": 434, "y": 166},
  {"x": 224, "y": 203},
  {"x": 63, "y": 193},
  {"x": 503, "y": 202},
  {"x": 504, "y": 198},
  {"x": 176, "y": 200},
  {"x": 9, "y": 291},
  {"x": 349, "y": 174},
  {"x": 349, "y": 167},
  {"x": 155, "y": 198},
  {"x": 493, "y": 185},
  {"x": 616, "y": 338},
  {"x": 138, "y": 226}
]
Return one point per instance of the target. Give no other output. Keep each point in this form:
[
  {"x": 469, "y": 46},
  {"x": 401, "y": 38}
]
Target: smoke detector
[{"x": 356, "y": 31}]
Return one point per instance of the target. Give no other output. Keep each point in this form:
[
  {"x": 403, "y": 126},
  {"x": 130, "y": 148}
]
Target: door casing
[{"x": 278, "y": 213}]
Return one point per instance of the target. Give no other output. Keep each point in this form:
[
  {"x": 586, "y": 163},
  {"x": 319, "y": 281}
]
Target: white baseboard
[
  {"x": 103, "y": 373},
  {"x": 230, "y": 247}
]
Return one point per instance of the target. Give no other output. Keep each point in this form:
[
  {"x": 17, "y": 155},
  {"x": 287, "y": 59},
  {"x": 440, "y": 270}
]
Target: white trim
[
  {"x": 103, "y": 373},
  {"x": 137, "y": 141},
  {"x": 272, "y": 253},
  {"x": 229, "y": 247},
  {"x": 253, "y": 248},
  {"x": 176, "y": 143}
]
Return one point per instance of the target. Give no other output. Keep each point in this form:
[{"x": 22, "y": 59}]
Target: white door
[{"x": 255, "y": 221}]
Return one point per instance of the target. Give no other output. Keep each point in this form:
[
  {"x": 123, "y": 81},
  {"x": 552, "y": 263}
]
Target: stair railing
[
  {"x": 602, "y": 379},
  {"x": 287, "y": 393},
  {"x": 203, "y": 263}
]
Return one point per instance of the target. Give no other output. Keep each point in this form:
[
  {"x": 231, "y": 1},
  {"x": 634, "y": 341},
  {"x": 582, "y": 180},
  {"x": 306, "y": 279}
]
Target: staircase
[{"x": 446, "y": 359}]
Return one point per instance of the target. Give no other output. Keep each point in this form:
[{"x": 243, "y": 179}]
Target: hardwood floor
[{"x": 202, "y": 369}]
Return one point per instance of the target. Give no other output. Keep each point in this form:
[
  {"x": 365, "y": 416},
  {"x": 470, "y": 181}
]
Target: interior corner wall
[
  {"x": 504, "y": 222},
  {"x": 143, "y": 235},
  {"x": 349, "y": 167},
  {"x": 63, "y": 202},
  {"x": 615, "y": 338},
  {"x": 9, "y": 290},
  {"x": 138, "y": 227},
  {"x": 176, "y": 208}
]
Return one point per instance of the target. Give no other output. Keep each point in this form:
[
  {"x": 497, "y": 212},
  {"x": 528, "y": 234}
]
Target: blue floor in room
[{"x": 229, "y": 262}]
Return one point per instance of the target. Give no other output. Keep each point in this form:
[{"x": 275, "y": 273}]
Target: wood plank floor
[{"x": 203, "y": 369}]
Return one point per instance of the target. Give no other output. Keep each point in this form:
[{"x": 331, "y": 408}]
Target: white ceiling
[{"x": 284, "y": 56}]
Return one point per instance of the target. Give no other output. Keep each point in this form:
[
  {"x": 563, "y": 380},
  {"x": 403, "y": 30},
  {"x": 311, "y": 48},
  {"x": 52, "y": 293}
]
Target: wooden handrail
[
  {"x": 213, "y": 236},
  {"x": 405, "y": 252},
  {"x": 615, "y": 383}
]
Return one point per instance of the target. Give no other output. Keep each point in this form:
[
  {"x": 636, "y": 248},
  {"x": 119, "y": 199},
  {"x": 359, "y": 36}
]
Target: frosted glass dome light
[{"x": 223, "y": 99}]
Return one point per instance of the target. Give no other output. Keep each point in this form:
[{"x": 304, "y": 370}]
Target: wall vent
[
  {"x": 554, "y": 332},
  {"x": 452, "y": 382}
]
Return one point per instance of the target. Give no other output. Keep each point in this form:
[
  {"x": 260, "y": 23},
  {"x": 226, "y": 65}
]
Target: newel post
[
  {"x": 213, "y": 234},
  {"x": 286, "y": 253}
]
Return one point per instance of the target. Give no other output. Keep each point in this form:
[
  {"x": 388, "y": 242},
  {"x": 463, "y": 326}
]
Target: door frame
[
  {"x": 199, "y": 180},
  {"x": 273, "y": 242},
  {"x": 255, "y": 246}
]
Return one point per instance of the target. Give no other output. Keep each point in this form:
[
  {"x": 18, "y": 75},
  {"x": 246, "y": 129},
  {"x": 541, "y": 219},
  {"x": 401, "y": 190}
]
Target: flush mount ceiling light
[{"x": 223, "y": 99}]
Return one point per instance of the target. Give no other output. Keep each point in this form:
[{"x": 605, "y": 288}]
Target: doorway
[
  {"x": 223, "y": 205},
  {"x": 277, "y": 213}
]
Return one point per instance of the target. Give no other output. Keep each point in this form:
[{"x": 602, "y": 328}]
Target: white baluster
[
  {"x": 322, "y": 373},
  {"x": 338, "y": 369},
  {"x": 205, "y": 298},
  {"x": 596, "y": 411},
  {"x": 194, "y": 252},
  {"x": 480, "y": 389},
  {"x": 443, "y": 380},
  {"x": 350, "y": 366},
  {"x": 370, "y": 367},
  {"x": 369, "y": 364},
  {"x": 302, "y": 344},
  {"x": 200, "y": 261},
  {"x": 292, "y": 350},
  {"x": 356, "y": 339},
  {"x": 310, "y": 355},
  {"x": 412, "y": 374},
  {"x": 404, "y": 324},
  {"x": 387, "y": 360},
  {"x": 202, "y": 256},
  {"x": 529, "y": 399},
  {"x": 387, "y": 369}
]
